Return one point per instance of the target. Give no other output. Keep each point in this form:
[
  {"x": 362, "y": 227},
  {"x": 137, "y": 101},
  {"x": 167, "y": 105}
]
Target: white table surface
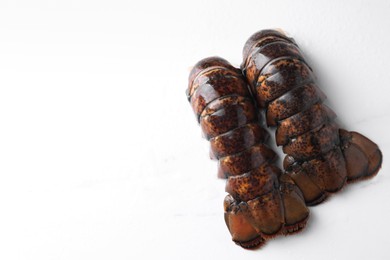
[{"x": 100, "y": 154}]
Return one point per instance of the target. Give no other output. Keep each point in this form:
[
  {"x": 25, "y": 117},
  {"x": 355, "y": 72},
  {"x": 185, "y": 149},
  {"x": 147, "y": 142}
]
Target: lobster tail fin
[
  {"x": 236, "y": 219},
  {"x": 362, "y": 156},
  {"x": 295, "y": 211}
]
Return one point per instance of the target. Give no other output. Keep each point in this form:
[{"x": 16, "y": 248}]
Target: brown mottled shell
[
  {"x": 259, "y": 204},
  {"x": 320, "y": 157}
]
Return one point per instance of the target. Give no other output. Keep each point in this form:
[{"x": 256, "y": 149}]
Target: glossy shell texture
[
  {"x": 320, "y": 157},
  {"x": 261, "y": 202}
]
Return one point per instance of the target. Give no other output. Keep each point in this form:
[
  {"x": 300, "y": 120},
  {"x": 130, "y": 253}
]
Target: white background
[{"x": 100, "y": 154}]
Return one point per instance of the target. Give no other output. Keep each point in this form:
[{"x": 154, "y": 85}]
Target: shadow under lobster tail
[{"x": 362, "y": 156}]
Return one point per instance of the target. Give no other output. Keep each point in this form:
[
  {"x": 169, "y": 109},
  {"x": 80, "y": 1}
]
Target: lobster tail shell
[
  {"x": 260, "y": 204},
  {"x": 320, "y": 157},
  {"x": 363, "y": 157}
]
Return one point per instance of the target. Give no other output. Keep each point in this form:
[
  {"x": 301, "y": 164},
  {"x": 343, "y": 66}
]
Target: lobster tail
[
  {"x": 320, "y": 157},
  {"x": 261, "y": 202},
  {"x": 363, "y": 157}
]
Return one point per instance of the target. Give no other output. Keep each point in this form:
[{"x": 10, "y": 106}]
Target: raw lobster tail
[
  {"x": 321, "y": 157},
  {"x": 261, "y": 202}
]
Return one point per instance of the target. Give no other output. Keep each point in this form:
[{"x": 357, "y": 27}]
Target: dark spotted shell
[
  {"x": 261, "y": 202},
  {"x": 320, "y": 157}
]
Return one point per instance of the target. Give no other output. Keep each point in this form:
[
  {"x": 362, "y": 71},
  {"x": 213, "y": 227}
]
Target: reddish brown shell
[
  {"x": 321, "y": 157},
  {"x": 260, "y": 203}
]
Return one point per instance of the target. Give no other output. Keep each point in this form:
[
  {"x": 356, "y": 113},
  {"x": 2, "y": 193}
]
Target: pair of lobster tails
[{"x": 263, "y": 201}]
